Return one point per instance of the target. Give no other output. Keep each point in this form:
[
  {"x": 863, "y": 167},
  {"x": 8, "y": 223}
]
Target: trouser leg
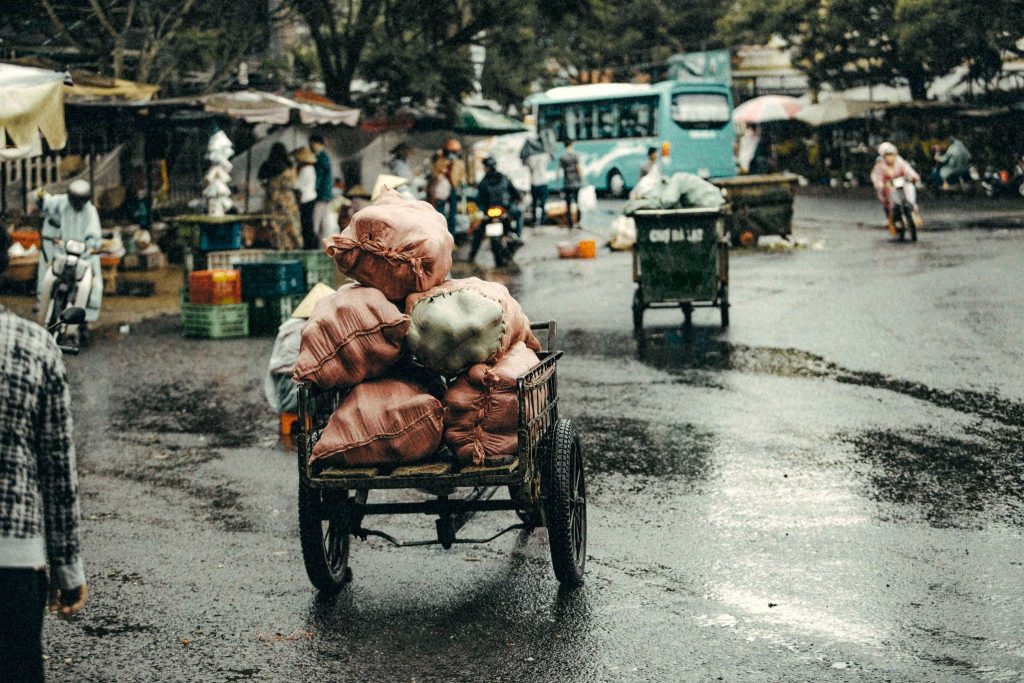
[
  {"x": 478, "y": 238},
  {"x": 22, "y": 601},
  {"x": 309, "y": 238}
]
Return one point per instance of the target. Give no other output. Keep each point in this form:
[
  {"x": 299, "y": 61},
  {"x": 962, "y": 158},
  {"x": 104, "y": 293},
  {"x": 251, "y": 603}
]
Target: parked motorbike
[
  {"x": 497, "y": 227},
  {"x": 1001, "y": 182},
  {"x": 66, "y": 284},
  {"x": 902, "y": 210}
]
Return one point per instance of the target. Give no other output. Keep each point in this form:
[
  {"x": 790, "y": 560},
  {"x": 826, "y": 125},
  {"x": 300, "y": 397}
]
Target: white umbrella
[
  {"x": 767, "y": 108},
  {"x": 31, "y": 102},
  {"x": 836, "y": 110}
]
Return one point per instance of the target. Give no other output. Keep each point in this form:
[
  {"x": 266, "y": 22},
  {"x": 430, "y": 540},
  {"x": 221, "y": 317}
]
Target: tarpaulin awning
[
  {"x": 31, "y": 102},
  {"x": 767, "y": 108},
  {"x": 836, "y": 110},
  {"x": 481, "y": 121},
  {"x": 264, "y": 107},
  {"x": 118, "y": 90}
]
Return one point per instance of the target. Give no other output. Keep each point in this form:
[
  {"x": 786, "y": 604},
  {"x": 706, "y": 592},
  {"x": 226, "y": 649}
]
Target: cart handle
[{"x": 551, "y": 328}]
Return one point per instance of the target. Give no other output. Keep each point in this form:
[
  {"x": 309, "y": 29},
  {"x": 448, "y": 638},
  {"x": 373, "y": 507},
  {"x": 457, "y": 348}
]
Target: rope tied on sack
[{"x": 378, "y": 247}]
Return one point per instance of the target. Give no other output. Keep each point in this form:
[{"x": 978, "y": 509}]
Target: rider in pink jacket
[{"x": 888, "y": 166}]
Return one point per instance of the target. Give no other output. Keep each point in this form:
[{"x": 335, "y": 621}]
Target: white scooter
[{"x": 66, "y": 283}]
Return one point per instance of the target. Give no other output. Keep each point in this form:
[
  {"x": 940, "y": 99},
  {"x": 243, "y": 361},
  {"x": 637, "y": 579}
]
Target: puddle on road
[
  {"x": 178, "y": 407},
  {"x": 616, "y": 445},
  {"x": 947, "y": 479},
  {"x": 697, "y": 354}
]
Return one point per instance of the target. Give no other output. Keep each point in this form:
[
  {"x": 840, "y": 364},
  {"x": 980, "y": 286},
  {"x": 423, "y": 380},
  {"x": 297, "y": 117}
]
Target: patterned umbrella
[{"x": 767, "y": 108}]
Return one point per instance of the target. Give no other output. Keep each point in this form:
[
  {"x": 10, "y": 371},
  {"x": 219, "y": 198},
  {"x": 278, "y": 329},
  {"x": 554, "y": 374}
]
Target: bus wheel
[{"x": 616, "y": 185}]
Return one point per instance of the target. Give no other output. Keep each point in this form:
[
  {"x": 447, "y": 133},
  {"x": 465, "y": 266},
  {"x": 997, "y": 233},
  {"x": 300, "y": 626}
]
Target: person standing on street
[
  {"x": 305, "y": 190},
  {"x": 572, "y": 177},
  {"x": 537, "y": 159},
  {"x": 278, "y": 177},
  {"x": 39, "y": 515},
  {"x": 456, "y": 178},
  {"x": 651, "y": 163},
  {"x": 324, "y": 186}
]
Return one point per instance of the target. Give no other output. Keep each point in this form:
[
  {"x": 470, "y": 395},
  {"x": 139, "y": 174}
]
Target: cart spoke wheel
[
  {"x": 324, "y": 536},
  {"x": 564, "y": 490}
]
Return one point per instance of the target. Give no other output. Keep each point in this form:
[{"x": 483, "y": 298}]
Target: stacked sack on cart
[{"x": 425, "y": 360}]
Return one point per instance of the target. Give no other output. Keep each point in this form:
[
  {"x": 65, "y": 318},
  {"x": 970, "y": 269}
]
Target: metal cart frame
[{"x": 545, "y": 484}]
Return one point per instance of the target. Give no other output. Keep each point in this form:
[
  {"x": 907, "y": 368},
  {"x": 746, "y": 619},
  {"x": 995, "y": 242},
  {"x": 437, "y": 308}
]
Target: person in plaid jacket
[{"x": 39, "y": 515}]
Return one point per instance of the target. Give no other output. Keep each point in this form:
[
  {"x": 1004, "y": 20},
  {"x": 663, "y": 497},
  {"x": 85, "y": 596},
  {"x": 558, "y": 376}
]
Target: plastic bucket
[{"x": 587, "y": 248}]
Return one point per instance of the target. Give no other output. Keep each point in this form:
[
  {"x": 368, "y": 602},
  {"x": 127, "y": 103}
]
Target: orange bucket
[
  {"x": 289, "y": 424},
  {"x": 587, "y": 248}
]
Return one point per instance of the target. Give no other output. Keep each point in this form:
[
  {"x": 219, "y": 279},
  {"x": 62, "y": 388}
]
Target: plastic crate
[
  {"x": 270, "y": 279},
  {"x": 220, "y": 237},
  {"x": 319, "y": 266},
  {"x": 267, "y": 313},
  {"x": 215, "y": 322},
  {"x": 214, "y": 287},
  {"x": 226, "y": 260}
]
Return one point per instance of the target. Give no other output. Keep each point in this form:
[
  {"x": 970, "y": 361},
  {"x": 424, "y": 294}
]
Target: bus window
[
  {"x": 700, "y": 110},
  {"x": 638, "y": 118},
  {"x": 549, "y": 117},
  {"x": 606, "y": 120}
]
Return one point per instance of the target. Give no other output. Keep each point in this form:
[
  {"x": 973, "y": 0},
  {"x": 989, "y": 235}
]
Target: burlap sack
[
  {"x": 396, "y": 245},
  {"x": 463, "y": 322},
  {"x": 382, "y": 422},
  {"x": 353, "y": 335},
  {"x": 482, "y": 409}
]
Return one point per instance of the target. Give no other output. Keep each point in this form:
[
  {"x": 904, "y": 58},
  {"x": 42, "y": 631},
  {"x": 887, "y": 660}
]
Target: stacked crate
[
  {"x": 212, "y": 305},
  {"x": 319, "y": 267},
  {"x": 272, "y": 290}
]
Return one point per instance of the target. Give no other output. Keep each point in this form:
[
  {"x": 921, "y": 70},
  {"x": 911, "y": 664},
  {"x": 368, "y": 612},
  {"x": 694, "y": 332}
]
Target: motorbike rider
[
  {"x": 71, "y": 216},
  {"x": 954, "y": 164},
  {"x": 888, "y": 166},
  {"x": 495, "y": 189}
]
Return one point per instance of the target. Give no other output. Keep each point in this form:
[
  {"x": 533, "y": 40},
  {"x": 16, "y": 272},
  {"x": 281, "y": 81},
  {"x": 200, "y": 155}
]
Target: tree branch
[
  {"x": 61, "y": 28},
  {"x": 101, "y": 16}
]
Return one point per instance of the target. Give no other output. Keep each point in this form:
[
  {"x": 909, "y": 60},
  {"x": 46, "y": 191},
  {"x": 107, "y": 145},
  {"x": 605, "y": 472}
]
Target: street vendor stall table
[{"x": 194, "y": 233}]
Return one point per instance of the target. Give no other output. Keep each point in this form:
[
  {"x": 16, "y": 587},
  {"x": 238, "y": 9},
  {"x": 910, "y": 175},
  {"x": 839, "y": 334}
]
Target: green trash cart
[{"x": 681, "y": 260}]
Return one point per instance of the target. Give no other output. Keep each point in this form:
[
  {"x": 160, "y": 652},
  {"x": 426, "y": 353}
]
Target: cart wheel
[
  {"x": 908, "y": 219},
  {"x": 638, "y": 310},
  {"x": 723, "y": 304},
  {"x": 325, "y": 542},
  {"x": 565, "y": 503}
]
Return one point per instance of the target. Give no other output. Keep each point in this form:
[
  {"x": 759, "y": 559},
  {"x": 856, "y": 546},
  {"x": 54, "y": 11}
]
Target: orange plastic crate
[
  {"x": 215, "y": 287},
  {"x": 587, "y": 248}
]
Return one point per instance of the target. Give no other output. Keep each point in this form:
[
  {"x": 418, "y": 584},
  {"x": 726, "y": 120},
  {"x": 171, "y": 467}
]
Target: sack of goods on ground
[{"x": 443, "y": 371}]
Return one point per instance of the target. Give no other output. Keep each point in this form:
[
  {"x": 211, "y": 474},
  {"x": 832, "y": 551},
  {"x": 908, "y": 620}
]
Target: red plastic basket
[{"x": 214, "y": 287}]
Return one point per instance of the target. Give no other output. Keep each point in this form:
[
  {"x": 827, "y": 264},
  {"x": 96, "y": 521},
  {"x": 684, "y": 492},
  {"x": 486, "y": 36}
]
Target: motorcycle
[
  {"x": 497, "y": 227},
  {"x": 902, "y": 210},
  {"x": 66, "y": 284},
  {"x": 1003, "y": 182}
]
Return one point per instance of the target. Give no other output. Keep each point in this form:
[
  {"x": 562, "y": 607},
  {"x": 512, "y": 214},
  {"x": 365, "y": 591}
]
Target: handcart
[
  {"x": 680, "y": 260},
  {"x": 545, "y": 485}
]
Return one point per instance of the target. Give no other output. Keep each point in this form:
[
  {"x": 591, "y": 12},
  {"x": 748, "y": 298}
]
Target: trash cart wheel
[
  {"x": 723, "y": 303},
  {"x": 324, "y": 536},
  {"x": 565, "y": 502},
  {"x": 638, "y": 310}
]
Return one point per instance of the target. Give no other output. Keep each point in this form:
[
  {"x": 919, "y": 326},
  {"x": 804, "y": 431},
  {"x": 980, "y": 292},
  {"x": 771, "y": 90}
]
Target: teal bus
[{"x": 613, "y": 125}]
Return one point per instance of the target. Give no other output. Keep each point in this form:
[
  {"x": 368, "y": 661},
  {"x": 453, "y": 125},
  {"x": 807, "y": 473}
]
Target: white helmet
[
  {"x": 887, "y": 148},
  {"x": 80, "y": 188}
]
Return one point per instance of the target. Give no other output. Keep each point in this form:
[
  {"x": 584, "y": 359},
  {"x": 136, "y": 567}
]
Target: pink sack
[
  {"x": 397, "y": 245},
  {"x": 354, "y": 334},
  {"x": 482, "y": 409},
  {"x": 382, "y": 422}
]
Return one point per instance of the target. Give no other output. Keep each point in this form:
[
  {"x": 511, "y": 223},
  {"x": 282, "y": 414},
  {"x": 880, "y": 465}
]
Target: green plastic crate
[
  {"x": 318, "y": 265},
  {"x": 223, "y": 321},
  {"x": 267, "y": 313}
]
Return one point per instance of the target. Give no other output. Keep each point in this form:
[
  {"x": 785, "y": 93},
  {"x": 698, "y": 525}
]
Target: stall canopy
[
  {"x": 31, "y": 102},
  {"x": 836, "y": 110},
  {"x": 482, "y": 121},
  {"x": 263, "y": 107}
]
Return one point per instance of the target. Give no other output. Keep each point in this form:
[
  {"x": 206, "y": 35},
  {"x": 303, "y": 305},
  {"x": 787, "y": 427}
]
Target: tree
[{"x": 415, "y": 51}]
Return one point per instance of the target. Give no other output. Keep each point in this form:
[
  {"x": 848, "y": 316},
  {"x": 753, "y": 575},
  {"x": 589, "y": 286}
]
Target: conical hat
[{"x": 305, "y": 309}]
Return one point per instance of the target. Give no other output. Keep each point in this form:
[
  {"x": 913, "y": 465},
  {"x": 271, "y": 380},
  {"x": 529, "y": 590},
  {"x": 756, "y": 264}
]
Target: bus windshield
[
  {"x": 700, "y": 110},
  {"x": 601, "y": 119}
]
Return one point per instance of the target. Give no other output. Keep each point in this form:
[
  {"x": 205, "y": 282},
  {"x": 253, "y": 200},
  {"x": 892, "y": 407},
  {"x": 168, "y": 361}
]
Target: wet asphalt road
[{"x": 831, "y": 489}]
